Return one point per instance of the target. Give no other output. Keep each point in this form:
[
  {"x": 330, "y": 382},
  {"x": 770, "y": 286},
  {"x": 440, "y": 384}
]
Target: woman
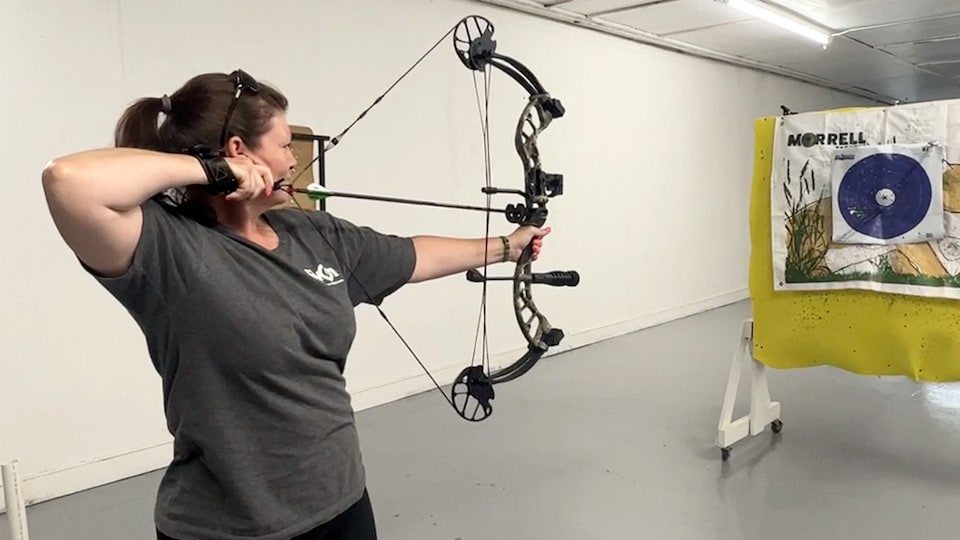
[{"x": 246, "y": 305}]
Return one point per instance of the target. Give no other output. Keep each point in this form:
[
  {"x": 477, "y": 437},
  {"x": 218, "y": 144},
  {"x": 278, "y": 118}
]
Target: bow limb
[{"x": 534, "y": 325}]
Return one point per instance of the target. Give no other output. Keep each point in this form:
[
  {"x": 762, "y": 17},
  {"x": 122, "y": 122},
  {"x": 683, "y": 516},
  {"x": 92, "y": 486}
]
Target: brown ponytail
[
  {"x": 137, "y": 128},
  {"x": 197, "y": 111}
]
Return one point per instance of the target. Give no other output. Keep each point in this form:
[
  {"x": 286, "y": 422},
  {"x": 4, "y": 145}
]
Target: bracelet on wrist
[{"x": 506, "y": 249}]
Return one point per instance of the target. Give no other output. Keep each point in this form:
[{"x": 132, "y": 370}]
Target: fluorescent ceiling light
[{"x": 782, "y": 19}]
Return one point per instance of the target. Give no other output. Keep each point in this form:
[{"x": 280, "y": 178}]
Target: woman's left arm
[{"x": 440, "y": 256}]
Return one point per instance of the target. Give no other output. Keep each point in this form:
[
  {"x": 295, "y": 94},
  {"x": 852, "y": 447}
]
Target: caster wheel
[
  {"x": 725, "y": 453},
  {"x": 776, "y": 426}
]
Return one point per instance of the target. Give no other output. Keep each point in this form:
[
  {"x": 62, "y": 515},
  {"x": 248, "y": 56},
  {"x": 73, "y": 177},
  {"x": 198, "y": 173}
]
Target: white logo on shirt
[{"x": 327, "y": 276}]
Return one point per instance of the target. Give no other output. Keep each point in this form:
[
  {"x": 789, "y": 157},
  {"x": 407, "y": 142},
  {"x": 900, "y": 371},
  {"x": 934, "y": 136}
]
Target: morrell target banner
[{"x": 868, "y": 199}]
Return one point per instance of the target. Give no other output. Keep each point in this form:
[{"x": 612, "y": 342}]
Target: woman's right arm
[{"x": 95, "y": 196}]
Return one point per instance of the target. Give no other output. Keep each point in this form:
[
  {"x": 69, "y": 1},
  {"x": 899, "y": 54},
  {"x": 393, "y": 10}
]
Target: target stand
[{"x": 763, "y": 412}]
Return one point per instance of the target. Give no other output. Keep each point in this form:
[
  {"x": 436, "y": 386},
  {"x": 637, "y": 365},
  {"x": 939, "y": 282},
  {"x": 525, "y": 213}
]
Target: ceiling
[{"x": 887, "y": 50}]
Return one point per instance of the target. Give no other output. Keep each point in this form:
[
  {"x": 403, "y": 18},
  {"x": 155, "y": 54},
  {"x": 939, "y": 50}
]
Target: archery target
[{"x": 888, "y": 194}]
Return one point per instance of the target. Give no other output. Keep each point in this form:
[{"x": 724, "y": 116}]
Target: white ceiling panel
[
  {"x": 845, "y": 14},
  {"x": 887, "y": 50},
  {"x": 843, "y": 61},
  {"x": 754, "y": 39},
  {"x": 903, "y": 33},
  {"x": 930, "y": 51},
  {"x": 589, "y": 7},
  {"x": 677, "y": 16},
  {"x": 946, "y": 69}
]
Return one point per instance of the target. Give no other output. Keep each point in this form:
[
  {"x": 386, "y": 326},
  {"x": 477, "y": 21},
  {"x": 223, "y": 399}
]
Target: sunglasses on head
[{"x": 244, "y": 82}]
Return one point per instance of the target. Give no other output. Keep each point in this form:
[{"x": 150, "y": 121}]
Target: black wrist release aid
[{"x": 220, "y": 179}]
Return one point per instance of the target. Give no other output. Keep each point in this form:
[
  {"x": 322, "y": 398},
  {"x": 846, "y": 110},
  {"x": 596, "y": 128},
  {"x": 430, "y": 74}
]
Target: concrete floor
[{"x": 616, "y": 441}]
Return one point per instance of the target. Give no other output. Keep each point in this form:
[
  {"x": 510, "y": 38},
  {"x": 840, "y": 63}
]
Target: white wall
[{"x": 656, "y": 149}]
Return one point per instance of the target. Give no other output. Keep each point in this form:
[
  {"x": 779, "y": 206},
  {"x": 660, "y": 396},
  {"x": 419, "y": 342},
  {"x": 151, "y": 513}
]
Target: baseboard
[
  {"x": 49, "y": 485},
  {"x": 589, "y": 337},
  {"x": 380, "y": 395}
]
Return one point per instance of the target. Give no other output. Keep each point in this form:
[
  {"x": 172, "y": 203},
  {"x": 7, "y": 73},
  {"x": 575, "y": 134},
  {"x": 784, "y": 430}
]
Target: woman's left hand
[{"x": 524, "y": 236}]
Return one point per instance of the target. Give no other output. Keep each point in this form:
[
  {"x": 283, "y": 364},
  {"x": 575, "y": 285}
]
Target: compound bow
[{"x": 473, "y": 388}]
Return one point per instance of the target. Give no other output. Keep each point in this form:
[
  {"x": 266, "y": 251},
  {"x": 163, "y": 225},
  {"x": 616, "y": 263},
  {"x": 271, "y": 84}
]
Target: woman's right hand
[{"x": 253, "y": 180}]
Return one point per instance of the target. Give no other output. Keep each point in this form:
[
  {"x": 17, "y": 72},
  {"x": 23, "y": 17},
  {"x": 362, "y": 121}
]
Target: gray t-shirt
[{"x": 251, "y": 345}]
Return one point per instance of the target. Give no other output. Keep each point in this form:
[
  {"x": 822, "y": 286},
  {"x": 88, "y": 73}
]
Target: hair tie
[{"x": 166, "y": 106}]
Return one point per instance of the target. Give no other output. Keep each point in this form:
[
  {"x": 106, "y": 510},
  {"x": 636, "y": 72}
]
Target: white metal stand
[
  {"x": 762, "y": 410},
  {"x": 13, "y": 499}
]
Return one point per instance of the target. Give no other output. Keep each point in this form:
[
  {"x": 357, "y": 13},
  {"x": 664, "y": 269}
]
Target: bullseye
[{"x": 886, "y": 197}]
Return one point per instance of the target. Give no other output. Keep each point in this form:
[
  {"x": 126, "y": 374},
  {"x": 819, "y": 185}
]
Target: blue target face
[{"x": 884, "y": 195}]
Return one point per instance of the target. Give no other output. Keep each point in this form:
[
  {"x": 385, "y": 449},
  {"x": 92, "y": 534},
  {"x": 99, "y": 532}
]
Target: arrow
[{"x": 317, "y": 192}]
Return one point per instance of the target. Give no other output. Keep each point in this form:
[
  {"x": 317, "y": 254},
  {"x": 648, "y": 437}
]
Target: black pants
[{"x": 355, "y": 523}]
